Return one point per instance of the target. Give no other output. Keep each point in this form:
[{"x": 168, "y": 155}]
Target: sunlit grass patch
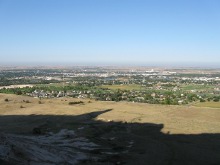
[{"x": 210, "y": 104}]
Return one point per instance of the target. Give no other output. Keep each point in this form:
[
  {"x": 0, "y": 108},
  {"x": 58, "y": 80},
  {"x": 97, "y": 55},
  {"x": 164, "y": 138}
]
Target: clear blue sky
[{"x": 109, "y": 32}]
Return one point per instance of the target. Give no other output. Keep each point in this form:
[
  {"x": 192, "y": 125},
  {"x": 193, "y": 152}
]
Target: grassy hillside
[
  {"x": 176, "y": 119},
  {"x": 123, "y": 132}
]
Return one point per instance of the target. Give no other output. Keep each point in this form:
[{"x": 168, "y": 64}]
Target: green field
[
  {"x": 197, "y": 87},
  {"x": 123, "y": 87}
]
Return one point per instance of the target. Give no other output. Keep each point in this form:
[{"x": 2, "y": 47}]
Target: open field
[
  {"x": 129, "y": 133},
  {"x": 197, "y": 87},
  {"x": 210, "y": 104},
  {"x": 122, "y": 87},
  {"x": 16, "y": 86},
  {"x": 53, "y": 84}
]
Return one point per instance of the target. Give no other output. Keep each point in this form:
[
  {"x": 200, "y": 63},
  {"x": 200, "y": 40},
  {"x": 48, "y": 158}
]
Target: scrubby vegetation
[{"x": 76, "y": 102}]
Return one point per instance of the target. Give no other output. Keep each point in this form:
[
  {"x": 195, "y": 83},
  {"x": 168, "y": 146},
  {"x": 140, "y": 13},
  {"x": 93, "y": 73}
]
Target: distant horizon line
[{"x": 160, "y": 65}]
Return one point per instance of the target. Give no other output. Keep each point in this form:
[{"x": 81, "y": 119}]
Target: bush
[
  {"x": 202, "y": 100},
  {"x": 75, "y": 102},
  {"x": 216, "y": 99},
  {"x": 6, "y": 100},
  {"x": 18, "y": 93},
  {"x": 22, "y": 106}
]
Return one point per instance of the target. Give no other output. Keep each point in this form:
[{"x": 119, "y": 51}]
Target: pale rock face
[{"x": 63, "y": 147}]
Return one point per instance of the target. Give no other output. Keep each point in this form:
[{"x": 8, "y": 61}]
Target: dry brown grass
[
  {"x": 176, "y": 119},
  {"x": 210, "y": 104}
]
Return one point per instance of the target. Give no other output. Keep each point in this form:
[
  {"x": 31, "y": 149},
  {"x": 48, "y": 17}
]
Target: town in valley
[{"x": 171, "y": 86}]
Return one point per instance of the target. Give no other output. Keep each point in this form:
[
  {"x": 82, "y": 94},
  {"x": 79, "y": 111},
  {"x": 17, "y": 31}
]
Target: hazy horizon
[{"x": 148, "y": 65}]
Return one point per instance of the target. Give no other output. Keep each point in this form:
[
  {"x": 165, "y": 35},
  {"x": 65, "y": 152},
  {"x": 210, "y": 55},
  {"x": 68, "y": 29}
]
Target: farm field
[
  {"x": 197, "y": 87},
  {"x": 134, "y": 132},
  {"x": 122, "y": 87}
]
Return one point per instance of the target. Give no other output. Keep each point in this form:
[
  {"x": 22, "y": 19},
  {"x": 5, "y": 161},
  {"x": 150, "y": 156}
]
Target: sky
[{"x": 110, "y": 32}]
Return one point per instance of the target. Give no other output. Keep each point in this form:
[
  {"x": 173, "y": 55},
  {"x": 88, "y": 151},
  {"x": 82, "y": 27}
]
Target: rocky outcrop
[{"x": 63, "y": 147}]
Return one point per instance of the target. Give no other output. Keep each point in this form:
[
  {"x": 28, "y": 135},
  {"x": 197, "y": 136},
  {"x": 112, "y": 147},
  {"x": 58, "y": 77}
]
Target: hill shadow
[{"x": 119, "y": 142}]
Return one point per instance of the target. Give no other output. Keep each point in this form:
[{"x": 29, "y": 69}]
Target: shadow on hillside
[{"x": 132, "y": 143}]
